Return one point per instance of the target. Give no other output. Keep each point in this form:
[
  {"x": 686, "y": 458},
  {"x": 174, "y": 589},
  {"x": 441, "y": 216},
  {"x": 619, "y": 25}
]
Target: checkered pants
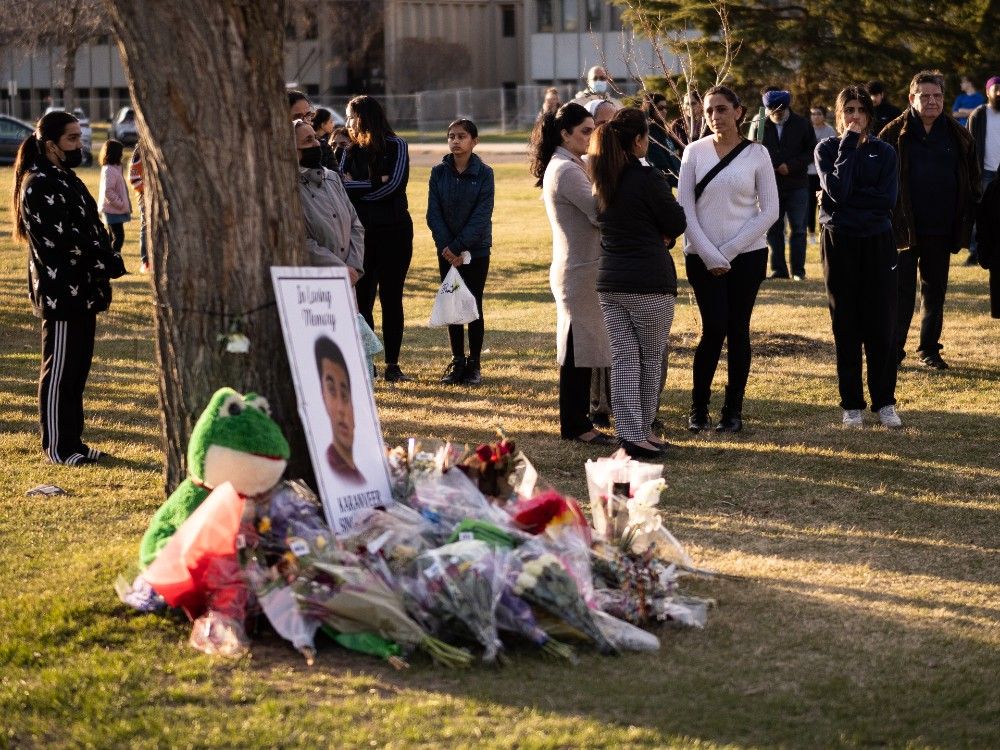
[{"x": 638, "y": 326}]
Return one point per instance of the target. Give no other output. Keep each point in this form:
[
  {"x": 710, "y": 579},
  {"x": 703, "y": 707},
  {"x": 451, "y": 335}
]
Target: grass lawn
[{"x": 861, "y": 605}]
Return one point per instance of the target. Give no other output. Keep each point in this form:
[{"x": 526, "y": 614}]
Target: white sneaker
[
  {"x": 852, "y": 418},
  {"x": 888, "y": 417}
]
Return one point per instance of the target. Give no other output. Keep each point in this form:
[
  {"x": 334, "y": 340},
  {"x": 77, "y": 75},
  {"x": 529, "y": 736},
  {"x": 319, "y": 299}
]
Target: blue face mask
[{"x": 599, "y": 87}]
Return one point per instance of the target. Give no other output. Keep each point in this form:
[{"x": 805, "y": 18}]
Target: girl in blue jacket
[{"x": 460, "y": 217}]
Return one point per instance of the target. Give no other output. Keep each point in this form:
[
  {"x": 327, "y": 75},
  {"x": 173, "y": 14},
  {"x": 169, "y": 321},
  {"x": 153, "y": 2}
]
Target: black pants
[
  {"x": 574, "y": 395},
  {"x": 117, "y": 236},
  {"x": 388, "y": 252},
  {"x": 726, "y": 304},
  {"x": 813, "y": 202},
  {"x": 861, "y": 284},
  {"x": 474, "y": 275},
  {"x": 67, "y": 351},
  {"x": 932, "y": 256}
]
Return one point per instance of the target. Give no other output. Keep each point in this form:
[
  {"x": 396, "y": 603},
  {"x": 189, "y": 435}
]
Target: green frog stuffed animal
[{"x": 234, "y": 440}]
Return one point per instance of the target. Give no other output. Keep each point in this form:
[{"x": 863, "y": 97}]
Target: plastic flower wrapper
[
  {"x": 623, "y": 635},
  {"x": 490, "y": 533},
  {"x": 490, "y": 466},
  {"x": 610, "y": 481},
  {"x": 369, "y": 643},
  {"x": 218, "y": 635},
  {"x": 351, "y": 599},
  {"x": 282, "y": 610},
  {"x": 647, "y": 533},
  {"x": 447, "y": 499},
  {"x": 458, "y": 586},
  {"x": 514, "y": 615},
  {"x": 543, "y": 581},
  {"x": 397, "y": 533},
  {"x": 291, "y": 510}
]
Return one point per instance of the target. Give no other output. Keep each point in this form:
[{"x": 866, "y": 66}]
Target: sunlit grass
[{"x": 858, "y": 605}]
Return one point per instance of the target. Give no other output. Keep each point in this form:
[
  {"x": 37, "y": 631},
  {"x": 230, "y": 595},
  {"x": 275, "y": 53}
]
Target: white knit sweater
[{"x": 737, "y": 208}]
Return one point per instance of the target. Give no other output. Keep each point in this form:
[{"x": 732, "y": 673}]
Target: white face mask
[{"x": 599, "y": 87}]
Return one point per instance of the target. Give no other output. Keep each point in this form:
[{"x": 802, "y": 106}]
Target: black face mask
[
  {"x": 311, "y": 157},
  {"x": 72, "y": 159}
]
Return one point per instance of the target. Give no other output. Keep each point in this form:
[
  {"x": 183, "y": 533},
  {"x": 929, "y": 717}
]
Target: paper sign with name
[{"x": 334, "y": 393}]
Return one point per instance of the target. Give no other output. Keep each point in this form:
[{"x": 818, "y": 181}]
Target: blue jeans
[
  {"x": 793, "y": 203},
  {"x": 987, "y": 179}
]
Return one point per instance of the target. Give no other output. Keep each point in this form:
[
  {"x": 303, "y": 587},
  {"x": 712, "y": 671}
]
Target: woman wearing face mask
[
  {"x": 322, "y": 124},
  {"x": 730, "y": 197},
  {"x": 557, "y": 143},
  {"x": 376, "y": 170},
  {"x": 334, "y": 235},
  {"x": 858, "y": 173},
  {"x": 636, "y": 278},
  {"x": 460, "y": 217},
  {"x": 70, "y": 266}
]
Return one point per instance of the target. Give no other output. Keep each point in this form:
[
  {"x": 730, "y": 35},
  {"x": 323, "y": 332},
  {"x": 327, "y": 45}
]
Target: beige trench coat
[{"x": 576, "y": 246}]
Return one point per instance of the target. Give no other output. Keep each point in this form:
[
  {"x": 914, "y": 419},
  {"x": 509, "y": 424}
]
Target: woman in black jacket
[
  {"x": 639, "y": 221},
  {"x": 376, "y": 170},
  {"x": 70, "y": 265}
]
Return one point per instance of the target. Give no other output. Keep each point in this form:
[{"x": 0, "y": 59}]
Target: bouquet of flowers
[
  {"x": 458, "y": 586},
  {"x": 545, "y": 582},
  {"x": 490, "y": 466},
  {"x": 514, "y": 615}
]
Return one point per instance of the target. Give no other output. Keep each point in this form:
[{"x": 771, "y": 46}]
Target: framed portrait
[{"x": 333, "y": 390}]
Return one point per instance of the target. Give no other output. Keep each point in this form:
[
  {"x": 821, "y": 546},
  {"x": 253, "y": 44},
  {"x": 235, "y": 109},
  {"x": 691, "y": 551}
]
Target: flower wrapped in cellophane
[{"x": 457, "y": 587}]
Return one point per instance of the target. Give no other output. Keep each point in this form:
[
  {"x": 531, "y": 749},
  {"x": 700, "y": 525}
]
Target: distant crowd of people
[{"x": 896, "y": 193}]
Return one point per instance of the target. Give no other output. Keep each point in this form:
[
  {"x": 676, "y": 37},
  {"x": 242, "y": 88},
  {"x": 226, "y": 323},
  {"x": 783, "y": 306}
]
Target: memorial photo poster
[{"x": 333, "y": 390}]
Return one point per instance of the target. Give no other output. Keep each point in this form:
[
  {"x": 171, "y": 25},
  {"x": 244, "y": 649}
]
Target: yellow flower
[{"x": 265, "y": 525}]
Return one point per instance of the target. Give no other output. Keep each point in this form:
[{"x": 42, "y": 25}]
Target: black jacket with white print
[{"x": 70, "y": 261}]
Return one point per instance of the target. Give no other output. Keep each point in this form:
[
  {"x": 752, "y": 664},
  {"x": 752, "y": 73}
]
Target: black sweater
[
  {"x": 634, "y": 257},
  {"x": 860, "y": 185},
  {"x": 795, "y": 148}
]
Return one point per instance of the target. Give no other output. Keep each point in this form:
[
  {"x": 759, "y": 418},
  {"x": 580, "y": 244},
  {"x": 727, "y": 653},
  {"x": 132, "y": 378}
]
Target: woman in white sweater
[{"x": 730, "y": 198}]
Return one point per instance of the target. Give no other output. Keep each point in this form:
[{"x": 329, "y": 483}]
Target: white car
[
  {"x": 123, "y": 127},
  {"x": 86, "y": 132}
]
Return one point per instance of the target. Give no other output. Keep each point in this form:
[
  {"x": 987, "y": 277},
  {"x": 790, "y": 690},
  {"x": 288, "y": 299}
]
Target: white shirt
[
  {"x": 991, "y": 159},
  {"x": 736, "y": 209}
]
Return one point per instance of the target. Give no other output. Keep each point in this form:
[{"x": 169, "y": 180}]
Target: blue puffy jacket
[{"x": 460, "y": 207}]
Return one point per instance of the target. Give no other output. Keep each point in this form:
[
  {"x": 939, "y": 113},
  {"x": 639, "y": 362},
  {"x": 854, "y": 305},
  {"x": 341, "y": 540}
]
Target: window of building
[
  {"x": 570, "y": 15},
  {"x": 545, "y": 15},
  {"x": 594, "y": 14},
  {"x": 508, "y": 21},
  {"x": 615, "y": 17}
]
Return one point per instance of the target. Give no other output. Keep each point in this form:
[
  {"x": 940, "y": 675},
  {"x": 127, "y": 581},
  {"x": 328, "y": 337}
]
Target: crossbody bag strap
[{"x": 723, "y": 163}]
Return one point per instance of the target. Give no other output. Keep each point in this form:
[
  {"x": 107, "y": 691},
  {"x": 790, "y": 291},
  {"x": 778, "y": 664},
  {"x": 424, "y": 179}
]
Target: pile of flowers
[{"x": 471, "y": 560}]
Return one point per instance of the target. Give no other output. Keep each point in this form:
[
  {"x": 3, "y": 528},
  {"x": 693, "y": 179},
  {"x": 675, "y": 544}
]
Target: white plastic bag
[{"x": 454, "y": 304}]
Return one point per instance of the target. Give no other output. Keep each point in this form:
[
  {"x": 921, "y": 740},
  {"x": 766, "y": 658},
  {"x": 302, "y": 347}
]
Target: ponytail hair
[
  {"x": 611, "y": 151},
  {"x": 546, "y": 136},
  {"x": 31, "y": 152}
]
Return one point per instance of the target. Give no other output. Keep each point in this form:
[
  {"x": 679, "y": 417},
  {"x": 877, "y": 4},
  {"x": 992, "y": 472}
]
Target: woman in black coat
[{"x": 639, "y": 221}]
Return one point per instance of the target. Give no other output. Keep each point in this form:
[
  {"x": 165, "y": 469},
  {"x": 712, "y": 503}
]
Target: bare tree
[
  {"x": 423, "y": 64},
  {"x": 65, "y": 24},
  {"x": 206, "y": 79},
  {"x": 350, "y": 35}
]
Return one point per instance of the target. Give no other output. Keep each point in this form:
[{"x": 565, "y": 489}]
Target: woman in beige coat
[{"x": 558, "y": 142}]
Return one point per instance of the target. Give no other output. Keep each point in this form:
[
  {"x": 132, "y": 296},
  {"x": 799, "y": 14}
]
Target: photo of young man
[{"x": 335, "y": 384}]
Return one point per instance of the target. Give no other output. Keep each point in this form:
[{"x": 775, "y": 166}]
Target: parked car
[
  {"x": 86, "y": 132},
  {"x": 12, "y": 134},
  {"x": 123, "y": 127}
]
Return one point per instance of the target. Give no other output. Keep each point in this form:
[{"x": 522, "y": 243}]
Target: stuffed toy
[{"x": 234, "y": 440}]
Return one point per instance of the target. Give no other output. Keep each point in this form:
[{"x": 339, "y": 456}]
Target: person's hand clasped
[
  {"x": 353, "y": 273},
  {"x": 450, "y": 257},
  {"x": 782, "y": 169},
  {"x": 720, "y": 271}
]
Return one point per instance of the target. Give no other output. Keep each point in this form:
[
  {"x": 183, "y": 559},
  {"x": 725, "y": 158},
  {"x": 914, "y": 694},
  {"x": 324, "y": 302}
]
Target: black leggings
[
  {"x": 117, "y": 236},
  {"x": 725, "y": 303},
  {"x": 388, "y": 252},
  {"x": 474, "y": 275}
]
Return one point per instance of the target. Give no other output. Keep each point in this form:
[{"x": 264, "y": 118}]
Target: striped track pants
[
  {"x": 638, "y": 326},
  {"x": 67, "y": 350}
]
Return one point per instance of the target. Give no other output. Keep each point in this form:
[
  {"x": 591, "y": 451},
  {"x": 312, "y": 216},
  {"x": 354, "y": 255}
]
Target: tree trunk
[
  {"x": 221, "y": 200},
  {"x": 69, "y": 72}
]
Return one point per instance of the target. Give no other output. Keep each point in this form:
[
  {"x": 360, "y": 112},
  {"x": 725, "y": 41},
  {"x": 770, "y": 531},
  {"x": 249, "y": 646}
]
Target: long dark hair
[
  {"x": 611, "y": 150},
  {"x": 850, "y": 93},
  {"x": 32, "y": 151},
  {"x": 111, "y": 152},
  {"x": 546, "y": 136},
  {"x": 371, "y": 127}
]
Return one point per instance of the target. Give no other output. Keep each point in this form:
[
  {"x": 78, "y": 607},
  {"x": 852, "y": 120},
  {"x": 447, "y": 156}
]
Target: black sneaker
[
  {"x": 934, "y": 362},
  {"x": 454, "y": 372},
  {"x": 394, "y": 375},
  {"x": 778, "y": 275},
  {"x": 729, "y": 422},
  {"x": 698, "y": 420},
  {"x": 472, "y": 375}
]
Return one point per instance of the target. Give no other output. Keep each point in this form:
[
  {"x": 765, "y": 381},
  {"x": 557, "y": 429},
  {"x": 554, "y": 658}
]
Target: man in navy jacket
[{"x": 790, "y": 140}]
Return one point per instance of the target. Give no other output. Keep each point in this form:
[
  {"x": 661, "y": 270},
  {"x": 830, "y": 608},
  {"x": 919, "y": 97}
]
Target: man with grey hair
[{"x": 938, "y": 192}]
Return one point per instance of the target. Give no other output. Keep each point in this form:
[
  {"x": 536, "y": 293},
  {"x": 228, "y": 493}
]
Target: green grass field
[{"x": 860, "y": 607}]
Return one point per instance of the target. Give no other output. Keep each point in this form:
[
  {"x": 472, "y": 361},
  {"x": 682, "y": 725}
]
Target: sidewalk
[{"x": 429, "y": 154}]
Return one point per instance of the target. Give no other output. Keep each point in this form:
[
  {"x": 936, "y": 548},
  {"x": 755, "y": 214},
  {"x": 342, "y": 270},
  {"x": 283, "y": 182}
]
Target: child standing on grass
[
  {"x": 113, "y": 196},
  {"x": 460, "y": 217}
]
